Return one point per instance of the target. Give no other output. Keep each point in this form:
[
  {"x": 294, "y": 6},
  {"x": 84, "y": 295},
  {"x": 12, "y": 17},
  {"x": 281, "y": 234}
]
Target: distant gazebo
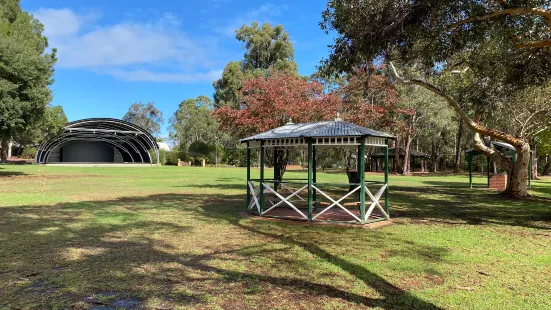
[
  {"x": 506, "y": 149},
  {"x": 375, "y": 159},
  {"x": 284, "y": 198}
]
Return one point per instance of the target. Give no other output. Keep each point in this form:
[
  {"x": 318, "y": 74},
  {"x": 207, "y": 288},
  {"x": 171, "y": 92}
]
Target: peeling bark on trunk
[
  {"x": 518, "y": 174},
  {"x": 4, "y": 150}
]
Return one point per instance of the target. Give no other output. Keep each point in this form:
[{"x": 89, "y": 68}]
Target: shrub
[{"x": 29, "y": 153}]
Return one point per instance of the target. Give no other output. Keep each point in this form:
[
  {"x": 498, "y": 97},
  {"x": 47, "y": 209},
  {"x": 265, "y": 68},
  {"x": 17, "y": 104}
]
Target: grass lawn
[{"x": 173, "y": 238}]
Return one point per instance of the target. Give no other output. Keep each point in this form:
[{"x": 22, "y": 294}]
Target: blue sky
[{"x": 114, "y": 53}]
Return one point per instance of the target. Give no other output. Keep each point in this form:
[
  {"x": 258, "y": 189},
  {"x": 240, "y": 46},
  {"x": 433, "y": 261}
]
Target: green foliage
[
  {"x": 193, "y": 122},
  {"x": 544, "y": 142},
  {"x": 51, "y": 123},
  {"x": 26, "y": 71},
  {"x": 200, "y": 149},
  {"x": 147, "y": 116},
  {"x": 267, "y": 49},
  {"x": 236, "y": 156},
  {"x": 29, "y": 152}
]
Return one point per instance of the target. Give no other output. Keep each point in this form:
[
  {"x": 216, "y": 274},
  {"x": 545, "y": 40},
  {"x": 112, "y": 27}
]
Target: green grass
[{"x": 173, "y": 238}]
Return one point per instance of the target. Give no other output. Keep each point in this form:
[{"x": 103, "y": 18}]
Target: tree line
[{"x": 442, "y": 77}]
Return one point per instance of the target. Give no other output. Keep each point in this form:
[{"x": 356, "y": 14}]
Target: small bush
[{"x": 29, "y": 153}]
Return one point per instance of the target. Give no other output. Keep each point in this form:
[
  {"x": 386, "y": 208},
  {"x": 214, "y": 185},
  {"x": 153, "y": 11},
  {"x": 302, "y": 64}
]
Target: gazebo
[
  {"x": 284, "y": 198},
  {"x": 376, "y": 157},
  {"x": 504, "y": 148}
]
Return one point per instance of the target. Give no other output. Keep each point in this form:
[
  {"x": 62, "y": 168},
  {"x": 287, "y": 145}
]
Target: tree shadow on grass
[
  {"x": 158, "y": 246},
  {"x": 5, "y": 172},
  {"x": 459, "y": 205},
  {"x": 58, "y": 255}
]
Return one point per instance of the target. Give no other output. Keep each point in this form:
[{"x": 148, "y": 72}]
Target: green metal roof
[{"x": 335, "y": 128}]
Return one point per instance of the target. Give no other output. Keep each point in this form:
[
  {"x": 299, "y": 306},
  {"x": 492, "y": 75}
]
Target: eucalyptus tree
[
  {"x": 147, "y": 116},
  {"x": 193, "y": 122},
  {"x": 26, "y": 72},
  {"x": 503, "y": 48},
  {"x": 267, "y": 49}
]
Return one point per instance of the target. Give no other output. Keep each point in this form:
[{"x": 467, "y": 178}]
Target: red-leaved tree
[{"x": 270, "y": 102}]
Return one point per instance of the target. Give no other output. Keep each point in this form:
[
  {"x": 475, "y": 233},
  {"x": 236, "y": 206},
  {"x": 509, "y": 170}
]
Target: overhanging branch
[
  {"x": 513, "y": 11},
  {"x": 474, "y": 125}
]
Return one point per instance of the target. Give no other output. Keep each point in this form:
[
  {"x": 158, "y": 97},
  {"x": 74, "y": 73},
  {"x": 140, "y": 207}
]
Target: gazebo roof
[
  {"x": 503, "y": 147},
  {"x": 334, "y": 128}
]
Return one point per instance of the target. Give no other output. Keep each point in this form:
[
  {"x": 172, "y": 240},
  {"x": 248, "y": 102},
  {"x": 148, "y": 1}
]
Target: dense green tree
[
  {"x": 502, "y": 48},
  {"x": 146, "y": 116},
  {"x": 26, "y": 72},
  {"x": 51, "y": 123},
  {"x": 193, "y": 122},
  {"x": 267, "y": 49}
]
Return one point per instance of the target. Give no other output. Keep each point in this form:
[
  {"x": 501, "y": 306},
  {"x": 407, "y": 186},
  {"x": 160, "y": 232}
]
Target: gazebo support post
[
  {"x": 248, "y": 175},
  {"x": 276, "y": 170},
  {"x": 310, "y": 179},
  {"x": 470, "y": 164},
  {"x": 314, "y": 172},
  {"x": 261, "y": 187},
  {"x": 361, "y": 157},
  {"x": 386, "y": 181}
]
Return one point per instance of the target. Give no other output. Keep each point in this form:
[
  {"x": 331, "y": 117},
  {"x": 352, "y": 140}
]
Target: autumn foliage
[
  {"x": 270, "y": 102},
  {"x": 371, "y": 100}
]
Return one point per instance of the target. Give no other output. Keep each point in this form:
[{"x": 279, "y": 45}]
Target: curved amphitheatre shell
[{"x": 99, "y": 140}]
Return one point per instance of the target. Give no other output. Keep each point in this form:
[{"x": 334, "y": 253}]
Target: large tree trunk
[
  {"x": 407, "y": 155},
  {"x": 518, "y": 173},
  {"x": 4, "y": 145},
  {"x": 458, "y": 147}
]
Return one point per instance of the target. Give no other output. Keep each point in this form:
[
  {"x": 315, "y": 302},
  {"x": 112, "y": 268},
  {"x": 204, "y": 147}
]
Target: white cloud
[
  {"x": 147, "y": 75},
  {"x": 59, "y": 22},
  {"x": 261, "y": 14},
  {"x": 126, "y": 48}
]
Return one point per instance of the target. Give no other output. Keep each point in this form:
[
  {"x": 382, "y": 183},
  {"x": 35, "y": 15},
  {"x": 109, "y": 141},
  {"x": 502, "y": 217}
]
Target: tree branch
[
  {"x": 474, "y": 125},
  {"x": 513, "y": 11}
]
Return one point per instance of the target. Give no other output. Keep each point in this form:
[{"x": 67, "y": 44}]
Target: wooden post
[{"x": 361, "y": 171}]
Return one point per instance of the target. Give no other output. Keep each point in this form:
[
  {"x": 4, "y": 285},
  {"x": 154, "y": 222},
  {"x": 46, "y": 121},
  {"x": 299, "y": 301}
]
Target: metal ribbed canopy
[
  {"x": 335, "y": 128},
  {"x": 132, "y": 142}
]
